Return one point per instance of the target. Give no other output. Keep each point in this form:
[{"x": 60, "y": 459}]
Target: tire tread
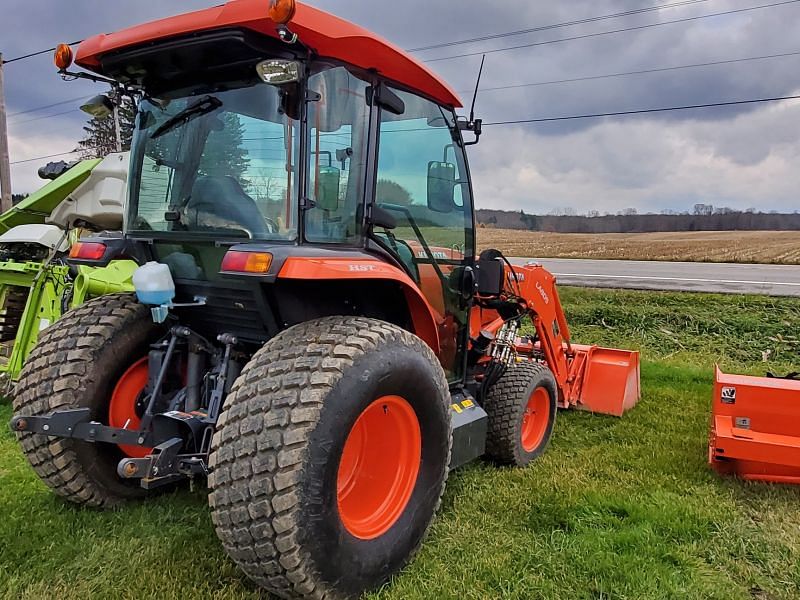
[
  {"x": 57, "y": 368},
  {"x": 503, "y": 405},
  {"x": 259, "y": 448}
]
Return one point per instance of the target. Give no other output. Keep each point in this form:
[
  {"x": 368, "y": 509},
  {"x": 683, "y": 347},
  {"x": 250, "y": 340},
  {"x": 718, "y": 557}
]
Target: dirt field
[{"x": 703, "y": 246}]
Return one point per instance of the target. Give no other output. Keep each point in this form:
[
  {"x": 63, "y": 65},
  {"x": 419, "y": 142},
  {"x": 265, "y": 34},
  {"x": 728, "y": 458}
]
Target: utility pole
[
  {"x": 117, "y": 129},
  {"x": 5, "y": 166}
]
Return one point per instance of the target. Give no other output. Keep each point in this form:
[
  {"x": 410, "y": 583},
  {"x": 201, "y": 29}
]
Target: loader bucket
[
  {"x": 609, "y": 382},
  {"x": 755, "y": 428}
]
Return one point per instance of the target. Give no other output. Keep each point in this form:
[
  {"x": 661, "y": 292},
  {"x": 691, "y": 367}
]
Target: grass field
[
  {"x": 617, "y": 508},
  {"x": 704, "y": 246}
]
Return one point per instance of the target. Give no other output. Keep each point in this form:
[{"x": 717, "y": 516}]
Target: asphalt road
[{"x": 770, "y": 280}]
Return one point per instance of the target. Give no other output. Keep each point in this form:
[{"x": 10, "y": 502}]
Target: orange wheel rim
[
  {"x": 379, "y": 467},
  {"x": 535, "y": 419},
  {"x": 122, "y": 408}
]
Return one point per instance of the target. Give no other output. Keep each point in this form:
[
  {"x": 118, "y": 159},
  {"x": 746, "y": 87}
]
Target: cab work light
[
  {"x": 246, "y": 262},
  {"x": 87, "y": 250},
  {"x": 278, "y": 72}
]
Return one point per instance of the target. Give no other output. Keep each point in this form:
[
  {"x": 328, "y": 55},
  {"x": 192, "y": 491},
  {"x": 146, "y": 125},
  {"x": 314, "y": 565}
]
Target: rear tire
[
  {"x": 522, "y": 410},
  {"x": 76, "y": 364},
  {"x": 330, "y": 457}
]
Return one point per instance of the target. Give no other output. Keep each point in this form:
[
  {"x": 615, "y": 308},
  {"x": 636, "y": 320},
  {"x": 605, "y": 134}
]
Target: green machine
[{"x": 36, "y": 284}]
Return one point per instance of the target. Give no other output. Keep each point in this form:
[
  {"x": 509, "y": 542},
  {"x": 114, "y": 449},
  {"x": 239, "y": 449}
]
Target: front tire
[
  {"x": 78, "y": 363},
  {"x": 330, "y": 457},
  {"x": 522, "y": 411}
]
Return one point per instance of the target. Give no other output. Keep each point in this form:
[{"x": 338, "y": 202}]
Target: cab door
[{"x": 423, "y": 181}]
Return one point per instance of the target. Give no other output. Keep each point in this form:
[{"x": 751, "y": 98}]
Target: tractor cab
[{"x": 260, "y": 136}]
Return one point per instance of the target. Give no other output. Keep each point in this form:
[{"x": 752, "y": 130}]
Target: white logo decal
[
  {"x": 728, "y": 395},
  {"x": 544, "y": 295},
  {"x": 362, "y": 268}
]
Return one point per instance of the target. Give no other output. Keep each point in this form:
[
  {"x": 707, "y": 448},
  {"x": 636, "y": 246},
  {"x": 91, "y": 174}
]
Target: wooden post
[{"x": 5, "y": 166}]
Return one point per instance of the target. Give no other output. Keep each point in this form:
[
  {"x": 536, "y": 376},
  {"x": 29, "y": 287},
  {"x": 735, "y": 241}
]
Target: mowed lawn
[{"x": 617, "y": 508}]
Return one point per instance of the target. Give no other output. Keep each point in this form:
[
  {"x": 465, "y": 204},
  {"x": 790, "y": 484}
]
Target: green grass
[{"x": 617, "y": 508}]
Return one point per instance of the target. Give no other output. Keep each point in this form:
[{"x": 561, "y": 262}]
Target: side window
[
  {"x": 338, "y": 125},
  {"x": 422, "y": 181}
]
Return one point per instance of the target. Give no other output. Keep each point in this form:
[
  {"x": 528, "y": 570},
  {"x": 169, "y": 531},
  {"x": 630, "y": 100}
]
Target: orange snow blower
[{"x": 755, "y": 427}]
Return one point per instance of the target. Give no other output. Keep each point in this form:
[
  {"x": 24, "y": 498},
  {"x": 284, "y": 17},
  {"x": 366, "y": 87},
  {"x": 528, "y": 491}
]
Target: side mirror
[
  {"x": 441, "y": 186},
  {"x": 100, "y": 107},
  {"x": 328, "y": 188}
]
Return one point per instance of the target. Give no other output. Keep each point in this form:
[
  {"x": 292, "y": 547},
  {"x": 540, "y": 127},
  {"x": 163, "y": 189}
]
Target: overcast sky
[{"x": 745, "y": 156}]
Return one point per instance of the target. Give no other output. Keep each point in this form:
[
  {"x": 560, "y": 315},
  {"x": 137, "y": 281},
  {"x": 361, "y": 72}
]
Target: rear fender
[{"x": 423, "y": 316}]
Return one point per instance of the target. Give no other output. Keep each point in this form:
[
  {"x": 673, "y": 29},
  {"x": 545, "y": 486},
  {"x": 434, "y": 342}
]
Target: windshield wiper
[{"x": 201, "y": 107}]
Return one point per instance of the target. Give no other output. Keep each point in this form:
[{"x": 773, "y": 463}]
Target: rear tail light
[
  {"x": 87, "y": 250},
  {"x": 246, "y": 262}
]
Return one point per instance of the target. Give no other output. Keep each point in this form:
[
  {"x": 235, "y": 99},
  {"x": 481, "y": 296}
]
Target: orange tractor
[{"x": 312, "y": 332}]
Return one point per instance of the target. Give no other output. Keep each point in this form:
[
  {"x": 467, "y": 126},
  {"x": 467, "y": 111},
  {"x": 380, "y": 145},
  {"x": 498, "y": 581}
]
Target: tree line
[{"x": 632, "y": 222}]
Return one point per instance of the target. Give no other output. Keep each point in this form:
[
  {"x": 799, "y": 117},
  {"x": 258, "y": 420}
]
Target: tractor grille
[{"x": 235, "y": 308}]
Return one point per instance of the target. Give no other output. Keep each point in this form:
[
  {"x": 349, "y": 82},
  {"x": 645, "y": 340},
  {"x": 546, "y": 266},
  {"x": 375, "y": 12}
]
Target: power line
[
  {"x": 59, "y": 114},
  {"x": 643, "y": 111},
  {"x": 640, "y": 72},
  {"x": 38, "y": 108},
  {"x": 27, "y": 160},
  {"x": 613, "y": 31},
  {"x": 32, "y": 54},
  {"x": 556, "y": 25}
]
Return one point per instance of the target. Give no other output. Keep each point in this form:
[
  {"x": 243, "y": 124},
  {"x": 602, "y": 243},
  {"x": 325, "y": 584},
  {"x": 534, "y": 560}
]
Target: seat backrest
[{"x": 217, "y": 202}]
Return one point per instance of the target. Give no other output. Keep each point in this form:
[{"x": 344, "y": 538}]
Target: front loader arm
[
  {"x": 536, "y": 288},
  {"x": 598, "y": 379}
]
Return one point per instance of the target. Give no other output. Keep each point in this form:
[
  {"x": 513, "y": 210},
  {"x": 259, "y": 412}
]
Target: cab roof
[{"x": 327, "y": 35}]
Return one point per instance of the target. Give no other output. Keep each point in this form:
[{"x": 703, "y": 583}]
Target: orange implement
[
  {"x": 609, "y": 382},
  {"x": 755, "y": 428}
]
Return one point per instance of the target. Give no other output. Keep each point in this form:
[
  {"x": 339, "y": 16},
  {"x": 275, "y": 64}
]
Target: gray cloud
[{"x": 740, "y": 156}]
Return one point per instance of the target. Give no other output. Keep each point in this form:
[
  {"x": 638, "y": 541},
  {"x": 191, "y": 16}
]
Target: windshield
[{"x": 221, "y": 163}]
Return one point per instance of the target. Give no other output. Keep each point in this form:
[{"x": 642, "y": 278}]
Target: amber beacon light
[
  {"x": 281, "y": 11},
  {"x": 63, "y": 56}
]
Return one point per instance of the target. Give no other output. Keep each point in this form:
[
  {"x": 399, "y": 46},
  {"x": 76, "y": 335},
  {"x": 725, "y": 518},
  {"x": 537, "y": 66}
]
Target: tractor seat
[
  {"x": 221, "y": 203},
  {"x": 402, "y": 251}
]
